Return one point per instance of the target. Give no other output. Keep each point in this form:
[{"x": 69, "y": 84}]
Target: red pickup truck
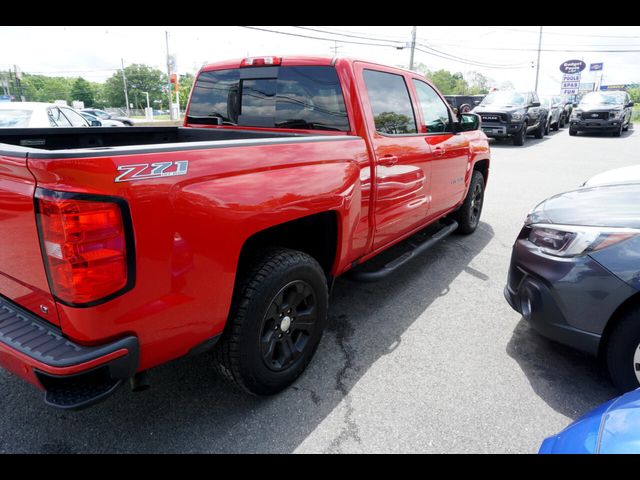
[{"x": 124, "y": 248}]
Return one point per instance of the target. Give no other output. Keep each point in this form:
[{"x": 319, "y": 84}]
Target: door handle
[
  {"x": 388, "y": 160},
  {"x": 438, "y": 151}
]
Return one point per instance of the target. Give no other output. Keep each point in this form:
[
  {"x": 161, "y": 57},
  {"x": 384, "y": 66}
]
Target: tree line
[{"x": 140, "y": 79}]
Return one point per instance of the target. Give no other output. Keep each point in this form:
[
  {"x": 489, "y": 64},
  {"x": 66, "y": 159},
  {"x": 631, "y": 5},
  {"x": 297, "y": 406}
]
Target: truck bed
[{"x": 43, "y": 142}]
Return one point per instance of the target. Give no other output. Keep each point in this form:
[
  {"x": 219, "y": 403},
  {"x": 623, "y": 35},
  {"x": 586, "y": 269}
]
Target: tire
[
  {"x": 268, "y": 296},
  {"x": 618, "y": 132},
  {"x": 468, "y": 215},
  {"x": 540, "y": 130},
  {"x": 573, "y": 132},
  {"x": 626, "y": 127},
  {"x": 561, "y": 123},
  {"x": 556, "y": 127},
  {"x": 547, "y": 128},
  {"x": 519, "y": 139},
  {"x": 623, "y": 351}
]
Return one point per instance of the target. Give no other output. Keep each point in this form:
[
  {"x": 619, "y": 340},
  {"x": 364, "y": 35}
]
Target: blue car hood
[{"x": 613, "y": 427}]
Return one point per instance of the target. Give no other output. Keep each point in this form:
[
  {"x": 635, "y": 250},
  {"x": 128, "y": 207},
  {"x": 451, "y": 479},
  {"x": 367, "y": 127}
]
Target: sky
[{"x": 502, "y": 53}]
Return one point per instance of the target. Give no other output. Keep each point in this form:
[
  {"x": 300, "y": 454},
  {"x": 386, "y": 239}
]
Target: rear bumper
[{"x": 73, "y": 376}]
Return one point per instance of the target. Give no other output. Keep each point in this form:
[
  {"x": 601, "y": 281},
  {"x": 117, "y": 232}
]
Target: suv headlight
[
  {"x": 575, "y": 114},
  {"x": 616, "y": 114},
  {"x": 572, "y": 240},
  {"x": 518, "y": 115}
]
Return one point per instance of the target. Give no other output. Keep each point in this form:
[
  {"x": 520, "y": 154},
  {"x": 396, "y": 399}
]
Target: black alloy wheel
[{"x": 288, "y": 325}]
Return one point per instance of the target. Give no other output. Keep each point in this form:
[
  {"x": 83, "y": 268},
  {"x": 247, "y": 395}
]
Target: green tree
[
  {"x": 40, "y": 88},
  {"x": 478, "y": 83},
  {"x": 140, "y": 78},
  {"x": 185, "y": 83},
  {"x": 449, "y": 83},
  {"x": 634, "y": 93},
  {"x": 83, "y": 91}
]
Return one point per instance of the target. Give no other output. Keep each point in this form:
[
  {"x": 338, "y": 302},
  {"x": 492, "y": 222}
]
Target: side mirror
[
  {"x": 630, "y": 104},
  {"x": 95, "y": 123},
  {"x": 469, "y": 122},
  {"x": 574, "y": 104},
  {"x": 535, "y": 104}
]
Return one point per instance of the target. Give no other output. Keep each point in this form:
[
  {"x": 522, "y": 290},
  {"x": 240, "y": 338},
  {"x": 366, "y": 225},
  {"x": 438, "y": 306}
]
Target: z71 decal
[{"x": 145, "y": 171}]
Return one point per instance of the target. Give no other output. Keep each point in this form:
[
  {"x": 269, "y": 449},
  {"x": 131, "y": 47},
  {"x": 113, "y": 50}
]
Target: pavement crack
[{"x": 349, "y": 431}]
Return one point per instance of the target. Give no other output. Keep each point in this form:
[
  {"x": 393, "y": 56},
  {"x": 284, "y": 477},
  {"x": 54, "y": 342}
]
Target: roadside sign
[
  {"x": 572, "y": 66},
  {"x": 570, "y": 85},
  {"x": 594, "y": 67},
  {"x": 613, "y": 87}
]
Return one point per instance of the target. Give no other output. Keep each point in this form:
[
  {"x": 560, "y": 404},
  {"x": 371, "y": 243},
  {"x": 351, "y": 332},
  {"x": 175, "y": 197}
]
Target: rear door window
[
  {"x": 296, "y": 97},
  {"x": 390, "y": 103}
]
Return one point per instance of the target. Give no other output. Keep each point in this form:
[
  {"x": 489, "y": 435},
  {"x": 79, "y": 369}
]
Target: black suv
[
  {"x": 507, "y": 113},
  {"x": 602, "y": 111}
]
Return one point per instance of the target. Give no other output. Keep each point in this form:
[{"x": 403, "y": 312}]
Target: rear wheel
[
  {"x": 623, "y": 351},
  {"x": 520, "y": 137},
  {"x": 278, "y": 315},
  {"x": 468, "y": 215}
]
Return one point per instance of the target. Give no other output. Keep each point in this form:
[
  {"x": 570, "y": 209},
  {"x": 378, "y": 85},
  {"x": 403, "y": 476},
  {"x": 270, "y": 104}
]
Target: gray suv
[
  {"x": 602, "y": 111},
  {"x": 512, "y": 114}
]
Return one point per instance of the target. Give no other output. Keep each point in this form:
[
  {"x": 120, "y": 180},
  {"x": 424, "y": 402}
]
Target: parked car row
[
  {"x": 514, "y": 115},
  {"x": 46, "y": 115}
]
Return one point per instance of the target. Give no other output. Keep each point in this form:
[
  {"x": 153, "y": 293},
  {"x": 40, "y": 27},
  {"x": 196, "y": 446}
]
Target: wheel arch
[{"x": 630, "y": 303}]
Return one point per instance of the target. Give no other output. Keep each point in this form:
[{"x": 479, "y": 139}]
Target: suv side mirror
[
  {"x": 630, "y": 104},
  {"x": 535, "y": 104},
  {"x": 469, "y": 122}
]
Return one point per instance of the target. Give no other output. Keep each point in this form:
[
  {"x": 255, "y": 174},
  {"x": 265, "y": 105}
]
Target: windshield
[
  {"x": 505, "y": 99},
  {"x": 603, "y": 98},
  {"x": 14, "y": 118}
]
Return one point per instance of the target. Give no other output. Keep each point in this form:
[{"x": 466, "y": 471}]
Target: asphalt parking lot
[{"x": 430, "y": 360}]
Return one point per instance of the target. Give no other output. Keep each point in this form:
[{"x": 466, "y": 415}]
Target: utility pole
[
  {"x": 166, "y": 34},
  {"x": 124, "y": 81},
  {"x": 335, "y": 48},
  {"x": 538, "y": 62},
  {"x": 18, "y": 77},
  {"x": 413, "y": 46}
]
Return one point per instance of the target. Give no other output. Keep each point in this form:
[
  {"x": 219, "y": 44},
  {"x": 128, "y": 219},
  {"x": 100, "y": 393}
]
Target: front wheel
[
  {"x": 541, "y": 129},
  {"x": 468, "y": 215},
  {"x": 618, "y": 132},
  {"x": 520, "y": 137},
  {"x": 277, "y": 318},
  {"x": 573, "y": 132},
  {"x": 623, "y": 351}
]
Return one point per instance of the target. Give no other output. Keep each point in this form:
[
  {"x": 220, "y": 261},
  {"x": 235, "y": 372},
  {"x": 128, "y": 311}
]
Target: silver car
[{"x": 40, "y": 115}]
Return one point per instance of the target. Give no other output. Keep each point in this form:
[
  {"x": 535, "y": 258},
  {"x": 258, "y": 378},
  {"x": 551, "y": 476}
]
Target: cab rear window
[{"x": 303, "y": 97}]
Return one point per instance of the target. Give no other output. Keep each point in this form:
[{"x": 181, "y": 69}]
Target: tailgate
[{"x": 23, "y": 278}]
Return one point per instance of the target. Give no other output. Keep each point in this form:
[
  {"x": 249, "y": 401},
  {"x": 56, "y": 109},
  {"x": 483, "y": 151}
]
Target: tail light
[
  {"x": 87, "y": 246},
  {"x": 260, "y": 61}
]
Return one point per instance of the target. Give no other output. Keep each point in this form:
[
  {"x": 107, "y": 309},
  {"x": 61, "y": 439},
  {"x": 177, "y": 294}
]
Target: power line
[
  {"x": 320, "y": 38},
  {"x": 476, "y": 62},
  {"x": 566, "y": 34},
  {"x": 391, "y": 38},
  {"x": 469, "y": 62},
  {"x": 350, "y": 36}
]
